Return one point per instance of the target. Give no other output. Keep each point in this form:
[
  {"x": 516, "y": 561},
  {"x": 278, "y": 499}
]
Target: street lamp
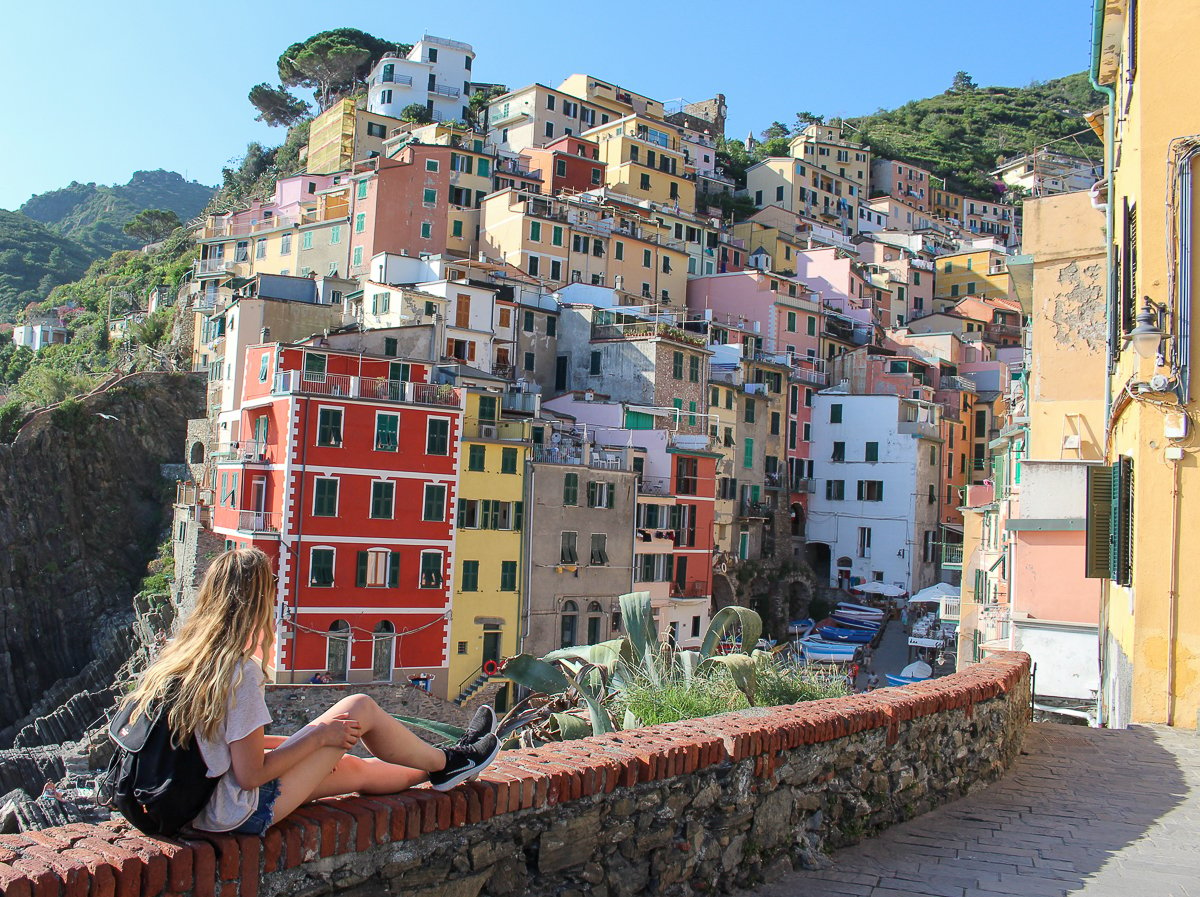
[{"x": 1147, "y": 335}]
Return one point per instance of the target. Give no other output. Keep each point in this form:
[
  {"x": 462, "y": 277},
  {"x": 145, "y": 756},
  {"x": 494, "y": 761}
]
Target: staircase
[{"x": 477, "y": 683}]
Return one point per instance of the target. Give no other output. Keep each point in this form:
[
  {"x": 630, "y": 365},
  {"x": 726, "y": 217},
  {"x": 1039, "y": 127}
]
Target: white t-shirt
[{"x": 230, "y": 804}]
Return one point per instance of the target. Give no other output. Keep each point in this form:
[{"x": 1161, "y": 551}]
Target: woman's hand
[{"x": 341, "y": 732}]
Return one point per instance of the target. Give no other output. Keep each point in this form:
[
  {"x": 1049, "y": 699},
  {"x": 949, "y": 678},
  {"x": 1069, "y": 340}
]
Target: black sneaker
[
  {"x": 465, "y": 762},
  {"x": 482, "y": 723}
]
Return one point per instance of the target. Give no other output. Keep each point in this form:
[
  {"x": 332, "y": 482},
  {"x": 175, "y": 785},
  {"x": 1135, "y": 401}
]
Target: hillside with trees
[{"x": 34, "y": 260}]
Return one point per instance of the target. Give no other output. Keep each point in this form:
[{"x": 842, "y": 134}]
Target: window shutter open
[
  {"x": 1121, "y": 527},
  {"x": 394, "y": 569},
  {"x": 361, "y": 578},
  {"x": 1098, "y": 549}
]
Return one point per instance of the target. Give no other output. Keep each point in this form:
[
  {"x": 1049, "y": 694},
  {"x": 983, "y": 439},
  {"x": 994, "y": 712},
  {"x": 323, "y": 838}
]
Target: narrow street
[{"x": 1103, "y": 813}]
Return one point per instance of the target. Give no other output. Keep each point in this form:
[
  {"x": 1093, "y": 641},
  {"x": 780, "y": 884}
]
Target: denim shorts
[{"x": 260, "y": 820}]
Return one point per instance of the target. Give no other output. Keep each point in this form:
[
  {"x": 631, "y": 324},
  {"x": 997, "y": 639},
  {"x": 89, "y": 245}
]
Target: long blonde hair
[{"x": 201, "y": 666}]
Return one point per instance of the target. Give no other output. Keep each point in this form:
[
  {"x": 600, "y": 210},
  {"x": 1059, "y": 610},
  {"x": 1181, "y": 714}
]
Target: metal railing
[
  {"x": 376, "y": 389},
  {"x": 696, "y": 588},
  {"x": 636, "y": 329},
  {"x": 654, "y": 486},
  {"x": 393, "y": 78},
  {"x": 804, "y": 484},
  {"x": 258, "y": 522},
  {"x": 214, "y": 266},
  {"x": 951, "y": 608},
  {"x": 952, "y": 554},
  {"x": 525, "y": 402},
  {"x": 443, "y": 90},
  {"x": 252, "y": 451},
  {"x": 755, "y": 509}
]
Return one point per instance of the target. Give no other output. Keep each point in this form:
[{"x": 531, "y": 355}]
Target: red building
[
  {"x": 568, "y": 163},
  {"x": 349, "y": 482},
  {"x": 693, "y": 484}
]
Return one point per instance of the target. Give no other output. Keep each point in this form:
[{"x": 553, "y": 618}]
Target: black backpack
[{"x": 159, "y": 788}]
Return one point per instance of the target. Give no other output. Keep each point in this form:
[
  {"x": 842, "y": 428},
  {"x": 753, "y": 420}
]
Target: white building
[
  {"x": 1044, "y": 172},
  {"x": 876, "y": 465},
  {"x": 39, "y": 334},
  {"x": 435, "y": 74}
]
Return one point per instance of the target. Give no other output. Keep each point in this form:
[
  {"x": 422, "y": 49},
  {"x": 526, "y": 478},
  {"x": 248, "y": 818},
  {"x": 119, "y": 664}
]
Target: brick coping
[{"x": 114, "y": 860}]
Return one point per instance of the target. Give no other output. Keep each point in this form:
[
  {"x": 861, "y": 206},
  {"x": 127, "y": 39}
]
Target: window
[
  {"x": 646, "y": 258},
  {"x": 429, "y": 196},
  {"x": 456, "y": 228},
  {"x": 470, "y": 576},
  {"x": 571, "y": 489},
  {"x": 320, "y": 567},
  {"x": 594, "y": 366},
  {"x": 870, "y": 490},
  {"x": 435, "y": 503},
  {"x": 864, "y": 541},
  {"x": 748, "y": 410},
  {"x": 677, "y": 365},
  {"x": 535, "y": 231},
  {"x": 357, "y": 258},
  {"x": 747, "y": 452},
  {"x": 431, "y": 570},
  {"x": 599, "y": 550},
  {"x": 835, "y": 490},
  {"x": 600, "y": 495},
  {"x": 527, "y": 325},
  {"x": 619, "y": 251},
  {"x": 551, "y": 327},
  {"x": 437, "y": 436},
  {"x": 791, "y": 322},
  {"x": 314, "y": 367},
  {"x": 362, "y": 189},
  {"x": 839, "y": 451},
  {"x": 360, "y": 222},
  {"x": 686, "y": 476},
  {"x": 693, "y": 368},
  {"x": 570, "y": 620},
  {"x": 567, "y": 548},
  {"x": 378, "y": 568},
  {"x": 325, "y": 497},
  {"x": 476, "y": 456},
  {"x": 932, "y": 494},
  {"x": 260, "y": 249},
  {"x": 508, "y": 576},
  {"x": 306, "y": 240},
  {"x": 556, "y": 236},
  {"x": 329, "y": 427},
  {"x": 426, "y": 230},
  {"x": 529, "y": 361},
  {"x": 285, "y": 244},
  {"x": 835, "y": 414},
  {"x": 872, "y": 451},
  {"x": 431, "y": 164},
  {"x": 645, "y": 181},
  {"x": 508, "y": 460},
  {"x": 383, "y": 497}
]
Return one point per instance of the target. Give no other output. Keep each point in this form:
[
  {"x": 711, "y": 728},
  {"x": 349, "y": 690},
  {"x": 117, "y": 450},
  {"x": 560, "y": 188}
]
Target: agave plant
[{"x": 577, "y": 691}]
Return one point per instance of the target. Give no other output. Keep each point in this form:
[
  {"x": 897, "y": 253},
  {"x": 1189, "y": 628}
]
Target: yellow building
[
  {"x": 1140, "y": 501},
  {"x": 343, "y": 134},
  {"x": 561, "y": 241},
  {"x": 982, "y": 273},
  {"x": 645, "y": 160},
  {"x": 486, "y": 622}
]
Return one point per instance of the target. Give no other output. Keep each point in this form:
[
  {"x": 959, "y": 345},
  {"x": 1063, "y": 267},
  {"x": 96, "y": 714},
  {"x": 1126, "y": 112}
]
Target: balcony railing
[
  {"x": 373, "y": 389},
  {"x": 214, "y": 266},
  {"x": 259, "y": 522},
  {"x": 804, "y": 484},
  {"x": 810, "y": 371},
  {"x": 191, "y": 494},
  {"x": 443, "y": 90},
  {"x": 756, "y": 509},
  {"x": 557, "y": 454},
  {"x": 951, "y": 608},
  {"x": 959, "y": 383},
  {"x": 250, "y": 452},
  {"x": 523, "y": 402},
  {"x": 654, "y": 486},
  {"x": 696, "y": 588},
  {"x": 393, "y": 78},
  {"x": 952, "y": 554},
  {"x": 504, "y": 430},
  {"x": 642, "y": 329},
  {"x": 773, "y": 481},
  {"x": 919, "y": 428}
]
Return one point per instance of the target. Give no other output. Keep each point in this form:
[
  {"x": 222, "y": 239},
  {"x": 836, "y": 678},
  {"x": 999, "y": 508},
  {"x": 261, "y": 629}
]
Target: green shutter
[
  {"x": 394, "y": 569},
  {"x": 518, "y": 515},
  {"x": 1121, "y": 530},
  {"x": 361, "y": 578},
  {"x": 1098, "y": 549},
  {"x": 591, "y": 494}
]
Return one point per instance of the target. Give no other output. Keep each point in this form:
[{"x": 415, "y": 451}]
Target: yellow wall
[
  {"x": 490, "y": 547},
  {"x": 968, "y": 268},
  {"x": 618, "y": 144},
  {"x": 1065, "y": 236},
  {"x": 1155, "y": 624}
]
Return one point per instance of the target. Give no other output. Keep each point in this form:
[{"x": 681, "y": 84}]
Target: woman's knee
[{"x": 359, "y": 707}]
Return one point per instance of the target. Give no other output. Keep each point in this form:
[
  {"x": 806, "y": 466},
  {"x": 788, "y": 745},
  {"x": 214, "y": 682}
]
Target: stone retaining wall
[{"x": 677, "y": 809}]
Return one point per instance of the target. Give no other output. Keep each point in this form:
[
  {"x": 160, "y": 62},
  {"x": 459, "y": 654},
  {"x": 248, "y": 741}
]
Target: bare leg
[{"x": 403, "y": 760}]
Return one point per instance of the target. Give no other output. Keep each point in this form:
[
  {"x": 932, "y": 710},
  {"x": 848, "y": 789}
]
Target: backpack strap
[{"x": 131, "y": 736}]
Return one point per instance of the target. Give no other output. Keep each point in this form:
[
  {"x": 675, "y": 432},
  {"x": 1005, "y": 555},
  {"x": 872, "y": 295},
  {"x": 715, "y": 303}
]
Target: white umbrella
[
  {"x": 934, "y": 594},
  {"x": 881, "y": 588}
]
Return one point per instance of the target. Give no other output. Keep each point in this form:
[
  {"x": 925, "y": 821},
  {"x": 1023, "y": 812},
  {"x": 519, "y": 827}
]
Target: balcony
[
  {"x": 646, "y": 330},
  {"x": 951, "y": 608},
  {"x": 920, "y": 428},
  {"x": 696, "y": 588},
  {"x": 393, "y": 78},
  {"x": 191, "y": 494},
  {"x": 444, "y": 91},
  {"x": 265, "y": 523},
  {"x": 960, "y": 383},
  {"x": 371, "y": 389},
  {"x": 773, "y": 481},
  {"x": 249, "y": 452},
  {"x": 654, "y": 486},
  {"x": 952, "y": 554},
  {"x": 810, "y": 370},
  {"x": 213, "y": 266},
  {"x": 502, "y": 430},
  {"x": 523, "y": 402},
  {"x": 804, "y": 484},
  {"x": 756, "y": 509}
]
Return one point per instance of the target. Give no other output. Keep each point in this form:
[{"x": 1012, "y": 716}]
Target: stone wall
[
  {"x": 710, "y": 804},
  {"x": 293, "y": 706}
]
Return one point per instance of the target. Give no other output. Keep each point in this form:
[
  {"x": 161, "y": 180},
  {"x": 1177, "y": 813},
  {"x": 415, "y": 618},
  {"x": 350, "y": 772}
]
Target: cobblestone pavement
[{"x": 1082, "y": 811}]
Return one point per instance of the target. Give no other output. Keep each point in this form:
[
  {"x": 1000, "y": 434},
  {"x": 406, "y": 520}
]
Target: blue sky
[{"x": 98, "y": 90}]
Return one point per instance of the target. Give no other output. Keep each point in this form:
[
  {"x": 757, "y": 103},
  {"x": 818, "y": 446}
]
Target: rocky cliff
[{"x": 82, "y": 502}]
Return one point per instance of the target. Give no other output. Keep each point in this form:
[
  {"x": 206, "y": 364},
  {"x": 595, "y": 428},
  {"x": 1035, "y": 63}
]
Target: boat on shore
[{"x": 831, "y": 633}]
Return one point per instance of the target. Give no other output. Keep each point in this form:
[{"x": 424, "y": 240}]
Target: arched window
[
  {"x": 337, "y": 651},
  {"x": 383, "y": 645},
  {"x": 594, "y": 612},
  {"x": 570, "y": 616}
]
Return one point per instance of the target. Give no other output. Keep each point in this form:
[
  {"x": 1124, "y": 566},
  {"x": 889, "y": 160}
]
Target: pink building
[
  {"x": 910, "y": 273},
  {"x": 902, "y": 181}
]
